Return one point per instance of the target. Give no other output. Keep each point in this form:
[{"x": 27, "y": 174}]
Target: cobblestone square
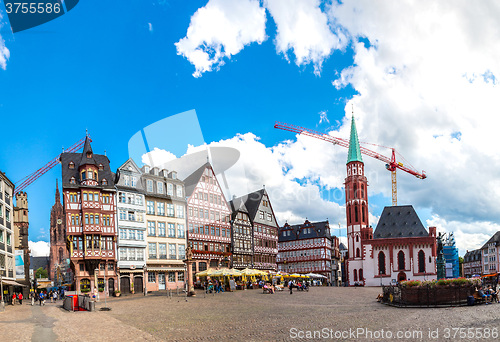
[{"x": 245, "y": 316}]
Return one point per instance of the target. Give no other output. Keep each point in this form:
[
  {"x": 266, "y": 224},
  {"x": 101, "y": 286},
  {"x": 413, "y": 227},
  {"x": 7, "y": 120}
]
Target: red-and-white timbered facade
[
  {"x": 90, "y": 210},
  {"x": 209, "y": 228}
]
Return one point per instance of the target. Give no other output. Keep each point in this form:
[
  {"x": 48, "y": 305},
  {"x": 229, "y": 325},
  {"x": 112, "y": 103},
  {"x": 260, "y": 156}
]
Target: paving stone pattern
[{"x": 240, "y": 316}]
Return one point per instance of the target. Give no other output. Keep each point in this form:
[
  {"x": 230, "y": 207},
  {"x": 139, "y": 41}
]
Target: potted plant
[{"x": 117, "y": 293}]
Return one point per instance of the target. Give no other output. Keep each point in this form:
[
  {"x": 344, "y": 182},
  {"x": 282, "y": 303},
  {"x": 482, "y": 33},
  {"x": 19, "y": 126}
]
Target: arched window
[
  {"x": 401, "y": 260},
  {"x": 363, "y": 210},
  {"x": 360, "y": 274},
  {"x": 356, "y": 214},
  {"x": 421, "y": 261},
  {"x": 355, "y": 275},
  {"x": 362, "y": 191},
  {"x": 60, "y": 255},
  {"x": 381, "y": 263},
  {"x": 357, "y": 238},
  {"x": 355, "y": 190},
  {"x": 357, "y": 253},
  {"x": 349, "y": 219}
]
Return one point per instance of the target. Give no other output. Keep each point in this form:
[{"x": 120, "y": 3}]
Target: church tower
[
  {"x": 58, "y": 251},
  {"x": 356, "y": 209}
]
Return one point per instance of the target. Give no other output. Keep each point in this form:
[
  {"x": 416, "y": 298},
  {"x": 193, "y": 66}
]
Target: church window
[
  {"x": 60, "y": 255},
  {"x": 381, "y": 263},
  {"x": 355, "y": 190},
  {"x": 360, "y": 274},
  {"x": 355, "y": 275},
  {"x": 421, "y": 261},
  {"x": 363, "y": 210},
  {"x": 356, "y": 213},
  {"x": 401, "y": 260},
  {"x": 71, "y": 165},
  {"x": 357, "y": 238},
  {"x": 357, "y": 253},
  {"x": 349, "y": 214},
  {"x": 362, "y": 191}
]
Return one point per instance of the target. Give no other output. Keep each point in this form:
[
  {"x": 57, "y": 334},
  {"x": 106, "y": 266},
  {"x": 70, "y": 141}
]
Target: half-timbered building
[
  {"x": 242, "y": 235},
  {"x": 90, "y": 209},
  {"x": 265, "y": 229},
  {"x": 209, "y": 228},
  {"x": 306, "y": 248}
]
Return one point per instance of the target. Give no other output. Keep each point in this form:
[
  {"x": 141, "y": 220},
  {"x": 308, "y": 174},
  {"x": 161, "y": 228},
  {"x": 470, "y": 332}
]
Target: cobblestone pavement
[{"x": 251, "y": 316}]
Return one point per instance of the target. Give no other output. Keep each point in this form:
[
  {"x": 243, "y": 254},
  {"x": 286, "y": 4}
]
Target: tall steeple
[
  {"x": 58, "y": 196},
  {"x": 354, "y": 153}
]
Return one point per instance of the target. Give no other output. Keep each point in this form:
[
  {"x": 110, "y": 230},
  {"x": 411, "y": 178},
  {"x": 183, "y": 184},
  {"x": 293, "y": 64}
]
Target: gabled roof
[
  {"x": 237, "y": 205},
  {"x": 354, "y": 153},
  {"x": 193, "y": 179},
  {"x": 252, "y": 202},
  {"x": 399, "y": 222},
  {"x": 134, "y": 165},
  {"x": 495, "y": 238},
  {"x": 320, "y": 229},
  {"x": 37, "y": 262},
  {"x": 342, "y": 247}
]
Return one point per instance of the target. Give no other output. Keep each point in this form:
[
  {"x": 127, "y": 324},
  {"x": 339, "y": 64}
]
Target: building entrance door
[
  {"x": 125, "y": 284},
  {"x": 161, "y": 281},
  {"x": 401, "y": 276},
  {"x": 138, "y": 284}
]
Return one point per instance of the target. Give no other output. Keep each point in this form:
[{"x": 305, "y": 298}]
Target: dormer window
[
  {"x": 72, "y": 180},
  {"x": 89, "y": 155},
  {"x": 71, "y": 165},
  {"x": 104, "y": 182},
  {"x": 156, "y": 172},
  {"x": 146, "y": 169},
  {"x": 101, "y": 167},
  {"x": 174, "y": 175}
]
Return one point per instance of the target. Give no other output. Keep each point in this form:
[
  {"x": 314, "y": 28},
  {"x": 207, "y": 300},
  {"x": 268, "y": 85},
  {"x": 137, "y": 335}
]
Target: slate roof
[
  {"x": 495, "y": 238},
  {"x": 37, "y": 262},
  {"x": 342, "y": 247},
  {"x": 252, "y": 202},
  {"x": 236, "y": 205},
  {"x": 78, "y": 159},
  {"x": 320, "y": 229},
  {"x": 354, "y": 153},
  {"x": 193, "y": 179},
  {"x": 399, "y": 222},
  {"x": 474, "y": 255}
]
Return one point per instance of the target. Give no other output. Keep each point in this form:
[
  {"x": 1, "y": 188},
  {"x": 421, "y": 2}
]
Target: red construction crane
[
  {"x": 26, "y": 181},
  {"x": 391, "y": 163}
]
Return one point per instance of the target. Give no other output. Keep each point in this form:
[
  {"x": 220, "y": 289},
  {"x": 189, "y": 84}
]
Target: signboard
[
  {"x": 19, "y": 257},
  {"x": 232, "y": 285}
]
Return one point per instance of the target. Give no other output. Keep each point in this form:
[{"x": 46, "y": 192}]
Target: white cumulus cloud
[
  {"x": 304, "y": 29},
  {"x": 39, "y": 248},
  {"x": 220, "y": 30}
]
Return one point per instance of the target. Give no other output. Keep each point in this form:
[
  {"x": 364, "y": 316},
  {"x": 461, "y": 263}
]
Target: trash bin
[{"x": 91, "y": 306}]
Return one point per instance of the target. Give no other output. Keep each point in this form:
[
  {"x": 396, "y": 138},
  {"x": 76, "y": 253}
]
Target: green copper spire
[{"x": 354, "y": 153}]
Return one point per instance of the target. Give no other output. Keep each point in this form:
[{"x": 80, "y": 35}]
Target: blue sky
[{"x": 113, "y": 67}]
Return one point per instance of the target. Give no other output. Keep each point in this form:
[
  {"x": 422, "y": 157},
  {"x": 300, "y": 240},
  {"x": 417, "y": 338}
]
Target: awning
[
  {"x": 12, "y": 282},
  {"x": 166, "y": 269},
  {"x": 126, "y": 270}
]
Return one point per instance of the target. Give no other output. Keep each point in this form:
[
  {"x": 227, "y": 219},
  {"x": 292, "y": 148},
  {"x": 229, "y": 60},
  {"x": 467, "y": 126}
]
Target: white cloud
[
  {"x": 323, "y": 117},
  {"x": 426, "y": 85},
  {"x": 304, "y": 29},
  {"x": 39, "y": 248},
  {"x": 4, "y": 51},
  {"x": 157, "y": 157},
  {"x": 220, "y": 30},
  {"x": 150, "y": 27}
]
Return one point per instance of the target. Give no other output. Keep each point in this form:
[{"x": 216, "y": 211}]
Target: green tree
[
  {"x": 460, "y": 265},
  {"x": 41, "y": 273}
]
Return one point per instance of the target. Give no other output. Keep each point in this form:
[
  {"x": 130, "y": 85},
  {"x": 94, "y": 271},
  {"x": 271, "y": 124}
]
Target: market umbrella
[
  {"x": 315, "y": 275},
  {"x": 207, "y": 272},
  {"x": 249, "y": 272}
]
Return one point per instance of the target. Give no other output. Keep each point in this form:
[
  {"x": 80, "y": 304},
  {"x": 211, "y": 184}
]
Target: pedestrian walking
[
  {"x": 32, "y": 295},
  {"x": 14, "y": 299},
  {"x": 290, "y": 286},
  {"x": 40, "y": 298},
  {"x": 20, "y": 298},
  {"x": 55, "y": 296}
]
